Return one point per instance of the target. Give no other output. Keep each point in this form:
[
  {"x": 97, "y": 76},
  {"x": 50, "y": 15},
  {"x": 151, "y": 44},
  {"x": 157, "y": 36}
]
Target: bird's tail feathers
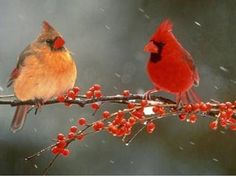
[
  {"x": 188, "y": 97},
  {"x": 19, "y": 117}
]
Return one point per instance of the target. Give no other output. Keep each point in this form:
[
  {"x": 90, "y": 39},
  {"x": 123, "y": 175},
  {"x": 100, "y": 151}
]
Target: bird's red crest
[{"x": 163, "y": 30}]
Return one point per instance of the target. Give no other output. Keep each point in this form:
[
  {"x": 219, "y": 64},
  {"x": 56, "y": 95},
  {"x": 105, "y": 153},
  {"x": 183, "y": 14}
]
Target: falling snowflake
[
  {"x": 198, "y": 24},
  {"x": 141, "y": 10},
  {"x": 223, "y": 69}
]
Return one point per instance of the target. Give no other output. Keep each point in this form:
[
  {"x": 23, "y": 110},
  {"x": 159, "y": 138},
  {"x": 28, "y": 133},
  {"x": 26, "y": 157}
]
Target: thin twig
[
  {"x": 7, "y": 96},
  {"x": 40, "y": 152},
  {"x": 50, "y": 164},
  {"x": 132, "y": 138}
]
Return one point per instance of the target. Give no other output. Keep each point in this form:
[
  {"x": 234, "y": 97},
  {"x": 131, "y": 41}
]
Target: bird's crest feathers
[
  {"x": 48, "y": 31},
  {"x": 47, "y": 27},
  {"x": 163, "y": 30}
]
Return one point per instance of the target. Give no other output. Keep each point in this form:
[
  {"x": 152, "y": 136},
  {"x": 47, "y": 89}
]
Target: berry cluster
[
  {"x": 70, "y": 95},
  {"x": 189, "y": 111},
  {"x": 61, "y": 145},
  {"x": 124, "y": 121},
  {"x": 225, "y": 117},
  {"x": 63, "y": 141},
  {"x": 224, "y": 114},
  {"x": 94, "y": 92},
  {"x": 121, "y": 123},
  {"x": 120, "y": 126}
]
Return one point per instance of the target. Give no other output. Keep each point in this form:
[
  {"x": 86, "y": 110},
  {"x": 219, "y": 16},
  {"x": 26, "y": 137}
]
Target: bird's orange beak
[
  {"x": 150, "y": 47},
  {"x": 58, "y": 43}
]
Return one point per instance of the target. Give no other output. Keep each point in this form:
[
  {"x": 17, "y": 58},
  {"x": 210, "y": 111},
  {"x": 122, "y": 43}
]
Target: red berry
[
  {"x": 229, "y": 104},
  {"x": 144, "y": 103},
  {"x": 71, "y": 94},
  {"x": 92, "y": 89},
  {"x": 71, "y": 135},
  {"x": 121, "y": 132},
  {"x": 82, "y": 121},
  {"x": 222, "y": 106},
  {"x": 65, "y": 152},
  {"x": 196, "y": 106},
  {"x": 223, "y": 115},
  {"x": 213, "y": 125},
  {"x": 193, "y": 118},
  {"x": 209, "y": 106},
  {"x": 120, "y": 114},
  {"x": 60, "y": 150},
  {"x": 73, "y": 129},
  {"x": 61, "y": 144},
  {"x": 55, "y": 150},
  {"x": 155, "y": 109},
  {"x": 95, "y": 106},
  {"x": 138, "y": 114},
  {"x": 98, "y": 126},
  {"x": 158, "y": 110},
  {"x": 61, "y": 98},
  {"x": 112, "y": 129},
  {"x": 232, "y": 121},
  {"x": 132, "y": 120},
  {"x": 161, "y": 111},
  {"x": 76, "y": 90},
  {"x": 126, "y": 93},
  {"x": 223, "y": 123},
  {"x": 229, "y": 112},
  {"x": 80, "y": 136},
  {"x": 203, "y": 107},
  {"x": 117, "y": 120},
  {"x": 150, "y": 127},
  {"x": 233, "y": 127},
  {"x": 182, "y": 116},
  {"x": 89, "y": 94},
  {"x": 123, "y": 121},
  {"x": 97, "y": 87},
  {"x": 60, "y": 136},
  {"x": 97, "y": 93},
  {"x": 106, "y": 114},
  {"x": 131, "y": 105},
  {"x": 188, "y": 108},
  {"x": 128, "y": 125}
]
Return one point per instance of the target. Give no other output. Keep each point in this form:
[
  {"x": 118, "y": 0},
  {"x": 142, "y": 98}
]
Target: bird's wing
[
  {"x": 186, "y": 56},
  {"x": 193, "y": 67},
  {"x": 20, "y": 63}
]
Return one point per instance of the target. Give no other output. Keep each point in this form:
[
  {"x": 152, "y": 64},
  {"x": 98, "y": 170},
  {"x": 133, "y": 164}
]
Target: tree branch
[{"x": 81, "y": 100}]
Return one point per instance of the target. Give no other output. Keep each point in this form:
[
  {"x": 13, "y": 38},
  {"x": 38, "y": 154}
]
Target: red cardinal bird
[
  {"x": 171, "y": 67},
  {"x": 45, "y": 69}
]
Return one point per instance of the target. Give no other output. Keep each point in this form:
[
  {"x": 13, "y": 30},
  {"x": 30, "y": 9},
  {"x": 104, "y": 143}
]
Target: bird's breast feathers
[{"x": 45, "y": 75}]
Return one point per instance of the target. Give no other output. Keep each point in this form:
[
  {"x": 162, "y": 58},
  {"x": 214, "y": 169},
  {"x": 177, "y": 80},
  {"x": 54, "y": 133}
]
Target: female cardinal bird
[
  {"x": 171, "y": 67},
  {"x": 45, "y": 69}
]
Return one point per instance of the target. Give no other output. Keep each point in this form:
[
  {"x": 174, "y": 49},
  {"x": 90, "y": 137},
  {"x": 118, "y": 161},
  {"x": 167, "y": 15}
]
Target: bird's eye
[{"x": 49, "y": 41}]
